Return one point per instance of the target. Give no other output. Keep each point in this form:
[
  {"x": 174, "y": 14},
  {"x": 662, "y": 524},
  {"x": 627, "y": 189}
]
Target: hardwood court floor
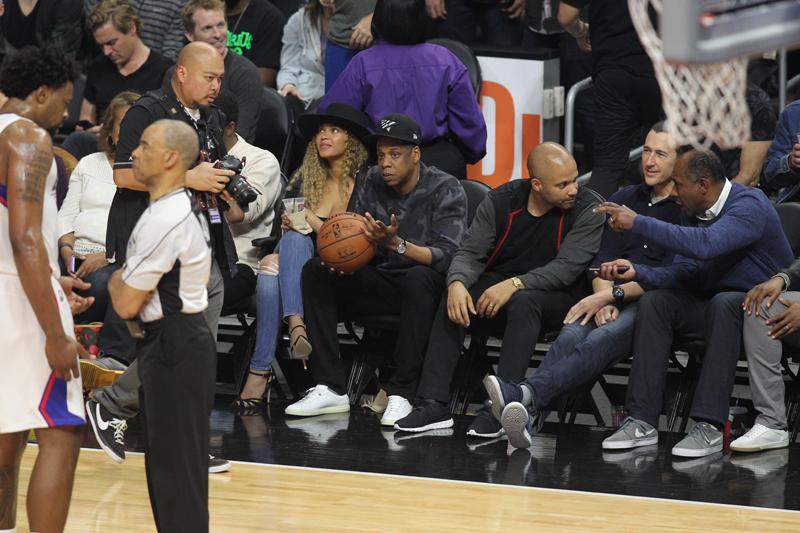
[{"x": 252, "y": 497}]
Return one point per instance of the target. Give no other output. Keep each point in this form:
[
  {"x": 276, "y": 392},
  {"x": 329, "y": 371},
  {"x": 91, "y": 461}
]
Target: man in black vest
[
  {"x": 519, "y": 270},
  {"x": 189, "y": 99}
]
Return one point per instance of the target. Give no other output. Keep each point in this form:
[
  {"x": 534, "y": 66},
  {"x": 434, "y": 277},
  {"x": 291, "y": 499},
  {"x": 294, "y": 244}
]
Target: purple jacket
[{"x": 424, "y": 81}]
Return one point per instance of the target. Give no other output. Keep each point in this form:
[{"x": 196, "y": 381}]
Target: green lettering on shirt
[{"x": 239, "y": 42}]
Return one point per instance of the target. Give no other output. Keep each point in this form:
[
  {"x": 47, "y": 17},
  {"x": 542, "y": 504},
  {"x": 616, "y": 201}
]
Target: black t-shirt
[
  {"x": 104, "y": 81},
  {"x": 128, "y": 205},
  {"x": 532, "y": 242},
  {"x": 615, "y": 43},
  {"x": 18, "y": 29},
  {"x": 256, "y": 34}
]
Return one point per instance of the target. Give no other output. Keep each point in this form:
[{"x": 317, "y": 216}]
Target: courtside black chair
[
  {"x": 371, "y": 345},
  {"x": 274, "y": 131},
  {"x": 468, "y": 57}
]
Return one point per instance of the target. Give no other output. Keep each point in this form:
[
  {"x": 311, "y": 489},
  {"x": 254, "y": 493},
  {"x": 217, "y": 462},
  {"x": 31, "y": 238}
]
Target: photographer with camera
[
  {"x": 250, "y": 200},
  {"x": 194, "y": 87}
]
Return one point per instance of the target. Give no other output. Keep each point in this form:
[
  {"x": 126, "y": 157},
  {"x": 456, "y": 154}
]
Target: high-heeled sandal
[
  {"x": 300, "y": 348},
  {"x": 254, "y": 406}
]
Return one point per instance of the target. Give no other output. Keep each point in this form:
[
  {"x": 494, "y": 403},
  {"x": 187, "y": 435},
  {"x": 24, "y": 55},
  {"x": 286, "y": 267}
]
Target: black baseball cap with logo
[{"x": 399, "y": 127}]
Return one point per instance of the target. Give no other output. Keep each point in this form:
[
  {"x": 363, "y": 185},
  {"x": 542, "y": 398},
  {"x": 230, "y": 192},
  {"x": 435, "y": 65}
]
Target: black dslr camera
[{"x": 238, "y": 186}]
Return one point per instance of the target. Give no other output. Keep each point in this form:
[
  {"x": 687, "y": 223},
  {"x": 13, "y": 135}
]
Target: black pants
[
  {"x": 446, "y": 156},
  {"x": 328, "y": 298},
  {"x": 177, "y": 371},
  {"x": 521, "y": 321},
  {"x": 668, "y": 315},
  {"x": 465, "y": 19},
  {"x": 238, "y": 287},
  {"x": 114, "y": 339},
  {"x": 625, "y": 105}
]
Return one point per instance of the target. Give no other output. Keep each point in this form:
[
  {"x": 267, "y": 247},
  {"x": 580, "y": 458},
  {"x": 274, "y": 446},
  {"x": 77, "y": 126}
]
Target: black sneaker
[
  {"x": 429, "y": 414},
  {"x": 109, "y": 431},
  {"x": 485, "y": 425},
  {"x": 217, "y": 465}
]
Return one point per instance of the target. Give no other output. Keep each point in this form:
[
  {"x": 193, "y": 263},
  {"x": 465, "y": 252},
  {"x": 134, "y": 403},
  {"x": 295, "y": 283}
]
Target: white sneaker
[
  {"x": 761, "y": 438},
  {"x": 397, "y": 408},
  {"x": 319, "y": 400},
  {"x": 322, "y": 428}
]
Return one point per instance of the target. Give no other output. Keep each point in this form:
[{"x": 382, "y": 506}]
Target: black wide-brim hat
[{"x": 355, "y": 122}]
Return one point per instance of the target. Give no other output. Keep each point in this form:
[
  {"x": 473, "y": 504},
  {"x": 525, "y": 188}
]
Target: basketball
[{"x": 342, "y": 243}]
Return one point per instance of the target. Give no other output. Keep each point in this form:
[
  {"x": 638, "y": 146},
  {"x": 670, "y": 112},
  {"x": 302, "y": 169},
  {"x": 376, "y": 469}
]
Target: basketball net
[{"x": 704, "y": 104}]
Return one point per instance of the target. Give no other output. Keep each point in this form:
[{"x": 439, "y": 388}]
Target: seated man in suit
[
  {"x": 519, "y": 270},
  {"x": 736, "y": 242}
]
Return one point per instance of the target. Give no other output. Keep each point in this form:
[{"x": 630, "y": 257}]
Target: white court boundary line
[{"x": 494, "y": 485}]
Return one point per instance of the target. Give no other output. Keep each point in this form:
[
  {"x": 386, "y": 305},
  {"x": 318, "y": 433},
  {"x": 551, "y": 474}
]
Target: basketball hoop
[{"x": 704, "y": 103}]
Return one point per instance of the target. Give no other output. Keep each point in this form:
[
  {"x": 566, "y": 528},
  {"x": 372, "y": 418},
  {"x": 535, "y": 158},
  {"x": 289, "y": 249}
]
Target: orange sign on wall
[{"x": 511, "y": 103}]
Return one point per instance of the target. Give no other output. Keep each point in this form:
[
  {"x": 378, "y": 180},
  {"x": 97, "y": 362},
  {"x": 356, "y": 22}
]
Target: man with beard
[
  {"x": 519, "y": 270},
  {"x": 40, "y": 386}
]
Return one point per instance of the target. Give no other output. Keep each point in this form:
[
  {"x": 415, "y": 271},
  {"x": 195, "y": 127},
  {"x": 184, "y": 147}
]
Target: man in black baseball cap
[
  {"x": 416, "y": 216},
  {"x": 398, "y": 127}
]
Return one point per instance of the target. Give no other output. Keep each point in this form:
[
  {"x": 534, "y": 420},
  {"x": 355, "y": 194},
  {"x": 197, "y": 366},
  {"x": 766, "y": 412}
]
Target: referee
[{"x": 161, "y": 291}]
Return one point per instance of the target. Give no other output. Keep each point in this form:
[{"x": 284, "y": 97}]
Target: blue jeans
[
  {"x": 580, "y": 354},
  {"x": 279, "y": 296},
  {"x": 336, "y": 60}
]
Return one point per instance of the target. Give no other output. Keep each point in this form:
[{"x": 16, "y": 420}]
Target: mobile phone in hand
[
  {"x": 75, "y": 263},
  {"x": 620, "y": 269}
]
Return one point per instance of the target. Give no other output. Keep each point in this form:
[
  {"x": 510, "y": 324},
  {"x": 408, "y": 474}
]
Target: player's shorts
[{"x": 30, "y": 395}]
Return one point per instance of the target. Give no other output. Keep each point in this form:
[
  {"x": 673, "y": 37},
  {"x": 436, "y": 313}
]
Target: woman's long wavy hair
[{"x": 314, "y": 171}]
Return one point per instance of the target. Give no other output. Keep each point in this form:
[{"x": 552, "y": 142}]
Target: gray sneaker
[
  {"x": 703, "y": 439},
  {"x": 631, "y": 434}
]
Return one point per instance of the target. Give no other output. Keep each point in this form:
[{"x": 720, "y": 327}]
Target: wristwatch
[
  {"x": 619, "y": 294},
  {"x": 517, "y": 283},
  {"x": 401, "y": 248}
]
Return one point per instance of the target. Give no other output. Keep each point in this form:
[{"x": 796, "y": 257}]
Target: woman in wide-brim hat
[{"x": 333, "y": 163}]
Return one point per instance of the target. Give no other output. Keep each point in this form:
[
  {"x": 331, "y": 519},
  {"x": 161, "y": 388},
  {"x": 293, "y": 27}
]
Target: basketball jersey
[
  {"x": 49, "y": 215},
  {"x": 31, "y": 396}
]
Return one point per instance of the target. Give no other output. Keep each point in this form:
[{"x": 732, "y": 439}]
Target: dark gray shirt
[
  {"x": 434, "y": 215},
  {"x": 347, "y": 14}
]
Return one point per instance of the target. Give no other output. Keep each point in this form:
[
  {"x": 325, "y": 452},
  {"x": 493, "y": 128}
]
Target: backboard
[{"x": 709, "y": 31}]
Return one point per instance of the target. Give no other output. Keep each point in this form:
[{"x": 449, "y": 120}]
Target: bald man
[
  {"x": 598, "y": 330},
  {"x": 161, "y": 291},
  {"x": 188, "y": 99},
  {"x": 518, "y": 272}
]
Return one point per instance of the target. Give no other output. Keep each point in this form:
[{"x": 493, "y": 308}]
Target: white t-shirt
[
  {"x": 169, "y": 252},
  {"x": 88, "y": 201},
  {"x": 263, "y": 172}
]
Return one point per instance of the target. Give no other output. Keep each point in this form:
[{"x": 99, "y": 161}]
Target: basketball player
[
  {"x": 161, "y": 291},
  {"x": 40, "y": 386}
]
